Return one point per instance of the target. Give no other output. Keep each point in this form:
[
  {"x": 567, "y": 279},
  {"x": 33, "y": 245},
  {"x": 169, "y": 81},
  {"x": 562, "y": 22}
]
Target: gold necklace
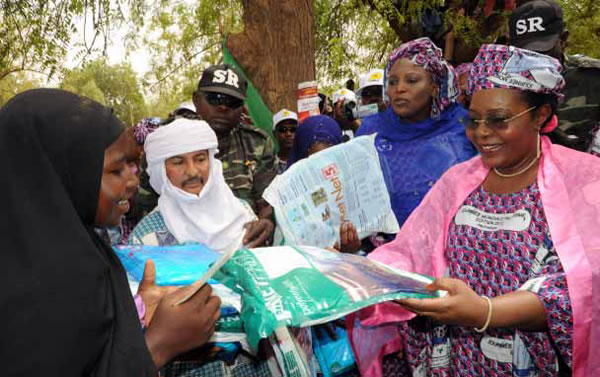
[{"x": 537, "y": 157}]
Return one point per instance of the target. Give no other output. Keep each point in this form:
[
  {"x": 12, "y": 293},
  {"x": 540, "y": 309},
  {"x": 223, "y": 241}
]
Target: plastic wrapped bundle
[{"x": 305, "y": 286}]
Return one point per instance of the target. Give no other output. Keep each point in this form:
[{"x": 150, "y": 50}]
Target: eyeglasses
[
  {"x": 284, "y": 129},
  {"x": 496, "y": 122},
  {"x": 217, "y": 99}
]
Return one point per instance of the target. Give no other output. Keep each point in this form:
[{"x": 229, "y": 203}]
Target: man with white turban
[{"x": 195, "y": 203}]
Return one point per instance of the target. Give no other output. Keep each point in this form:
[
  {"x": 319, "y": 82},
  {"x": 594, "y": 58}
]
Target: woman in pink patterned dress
[{"x": 512, "y": 236}]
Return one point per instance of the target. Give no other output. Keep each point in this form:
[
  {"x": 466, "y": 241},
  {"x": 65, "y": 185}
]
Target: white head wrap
[{"x": 215, "y": 217}]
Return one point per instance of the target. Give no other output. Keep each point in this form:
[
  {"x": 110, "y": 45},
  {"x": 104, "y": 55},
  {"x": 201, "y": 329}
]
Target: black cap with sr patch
[
  {"x": 223, "y": 79},
  {"x": 536, "y": 25}
]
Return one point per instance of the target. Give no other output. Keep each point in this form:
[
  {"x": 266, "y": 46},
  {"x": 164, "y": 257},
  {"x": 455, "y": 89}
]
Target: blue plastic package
[
  {"x": 228, "y": 351},
  {"x": 335, "y": 356},
  {"x": 227, "y": 311},
  {"x": 175, "y": 265}
]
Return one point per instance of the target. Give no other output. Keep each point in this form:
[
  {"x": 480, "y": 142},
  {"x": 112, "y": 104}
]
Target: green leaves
[
  {"x": 14, "y": 84},
  {"x": 352, "y": 37},
  {"x": 115, "y": 86},
  {"x": 183, "y": 37},
  {"x": 582, "y": 18},
  {"x": 35, "y": 34}
]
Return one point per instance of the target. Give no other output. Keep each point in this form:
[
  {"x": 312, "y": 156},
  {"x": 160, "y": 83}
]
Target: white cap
[
  {"x": 343, "y": 94},
  {"x": 282, "y": 115},
  {"x": 371, "y": 78},
  {"x": 186, "y": 106}
]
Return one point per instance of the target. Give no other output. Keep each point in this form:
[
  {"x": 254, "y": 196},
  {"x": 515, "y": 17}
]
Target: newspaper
[{"x": 341, "y": 183}]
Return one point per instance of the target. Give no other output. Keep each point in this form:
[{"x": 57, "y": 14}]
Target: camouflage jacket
[
  {"x": 579, "y": 113},
  {"x": 146, "y": 198},
  {"x": 248, "y": 158}
]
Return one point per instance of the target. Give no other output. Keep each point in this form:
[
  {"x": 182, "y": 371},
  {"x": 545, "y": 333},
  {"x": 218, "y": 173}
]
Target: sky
[{"x": 116, "y": 51}]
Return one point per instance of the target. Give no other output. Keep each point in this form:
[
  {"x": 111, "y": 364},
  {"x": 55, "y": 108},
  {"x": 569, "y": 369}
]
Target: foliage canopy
[
  {"x": 184, "y": 36},
  {"x": 115, "y": 86}
]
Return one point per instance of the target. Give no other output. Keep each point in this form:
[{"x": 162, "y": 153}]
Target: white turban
[{"x": 214, "y": 217}]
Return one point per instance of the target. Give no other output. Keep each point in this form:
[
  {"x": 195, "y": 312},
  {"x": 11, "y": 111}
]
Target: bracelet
[{"x": 489, "y": 316}]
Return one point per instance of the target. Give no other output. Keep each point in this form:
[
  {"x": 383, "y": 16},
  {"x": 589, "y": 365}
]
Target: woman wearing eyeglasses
[
  {"x": 422, "y": 132},
  {"x": 511, "y": 235}
]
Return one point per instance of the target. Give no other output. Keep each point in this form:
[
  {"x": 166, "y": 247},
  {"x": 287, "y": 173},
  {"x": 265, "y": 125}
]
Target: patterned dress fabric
[
  {"x": 144, "y": 128},
  {"x": 463, "y": 68},
  {"x": 509, "y": 67},
  {"x": 498, "y": 243}
]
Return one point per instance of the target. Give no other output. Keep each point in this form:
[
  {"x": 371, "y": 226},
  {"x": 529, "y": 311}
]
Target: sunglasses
[
  {"x": 218, "y": 99},
  {"x": 372, "y": 91},
  {"x": 496, "y": 122},
  {"x": 284, "y": 129}
]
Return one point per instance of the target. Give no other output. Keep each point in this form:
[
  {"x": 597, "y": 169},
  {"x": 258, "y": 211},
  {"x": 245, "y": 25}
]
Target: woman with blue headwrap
[
  {"x": 422, "y": 133},
  {"x": 314, "y": 134}
]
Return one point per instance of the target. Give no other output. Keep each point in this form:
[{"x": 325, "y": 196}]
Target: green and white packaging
[
  {"x": 304, "y": 286},
  {"x": 293, "y": 351}
]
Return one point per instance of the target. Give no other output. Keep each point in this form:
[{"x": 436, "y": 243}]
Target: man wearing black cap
[
  {"x": 246, "y": 152},
  {"x": 538, "y": 25}
]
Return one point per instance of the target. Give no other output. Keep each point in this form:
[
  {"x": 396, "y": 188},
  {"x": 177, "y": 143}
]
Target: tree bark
[{"x": 277, "y": 48}]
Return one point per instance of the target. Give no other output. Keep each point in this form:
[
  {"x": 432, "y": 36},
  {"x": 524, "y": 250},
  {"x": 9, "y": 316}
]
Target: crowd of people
[{"x": 493, "y": 173}]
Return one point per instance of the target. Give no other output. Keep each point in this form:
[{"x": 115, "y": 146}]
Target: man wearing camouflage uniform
[
  {"x": 246, "y": 152},
  {"x": 538, "y": 26}
]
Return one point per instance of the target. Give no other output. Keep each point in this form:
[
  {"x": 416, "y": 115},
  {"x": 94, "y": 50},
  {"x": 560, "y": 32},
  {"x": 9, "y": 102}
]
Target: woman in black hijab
[{"x": 66, "y": 305}]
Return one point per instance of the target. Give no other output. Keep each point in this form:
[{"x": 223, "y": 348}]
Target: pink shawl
[{"x": 569, "y": 183}]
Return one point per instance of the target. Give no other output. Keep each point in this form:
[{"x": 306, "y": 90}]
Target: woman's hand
[
  {"x": 176, "y": 329},
  {"x": 258, "y": 232},
  {"x": 150, "y": 292},
  {"x": 462, "y": 306},
  {"x": 350, "y": 243}
]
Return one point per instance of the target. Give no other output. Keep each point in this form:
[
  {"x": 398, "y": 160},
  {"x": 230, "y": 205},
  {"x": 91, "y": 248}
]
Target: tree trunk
[{"x": 277, "y": 48}]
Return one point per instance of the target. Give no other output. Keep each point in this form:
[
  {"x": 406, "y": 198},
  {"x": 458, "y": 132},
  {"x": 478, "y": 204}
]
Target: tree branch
[
  {"x": 12, "y": 16},
  {"x": 20, "y": 69},
  {"x": 182, "y": 64}
]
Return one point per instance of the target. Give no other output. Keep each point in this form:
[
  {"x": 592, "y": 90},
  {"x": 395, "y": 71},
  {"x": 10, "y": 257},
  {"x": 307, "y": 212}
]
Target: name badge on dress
[
  {"x": 517, "y": 221},
  {"x": 497, "y": 349}
]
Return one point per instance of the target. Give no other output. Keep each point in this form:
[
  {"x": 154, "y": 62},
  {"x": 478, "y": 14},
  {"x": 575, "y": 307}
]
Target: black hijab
[{"x": 66, "y": 308}]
